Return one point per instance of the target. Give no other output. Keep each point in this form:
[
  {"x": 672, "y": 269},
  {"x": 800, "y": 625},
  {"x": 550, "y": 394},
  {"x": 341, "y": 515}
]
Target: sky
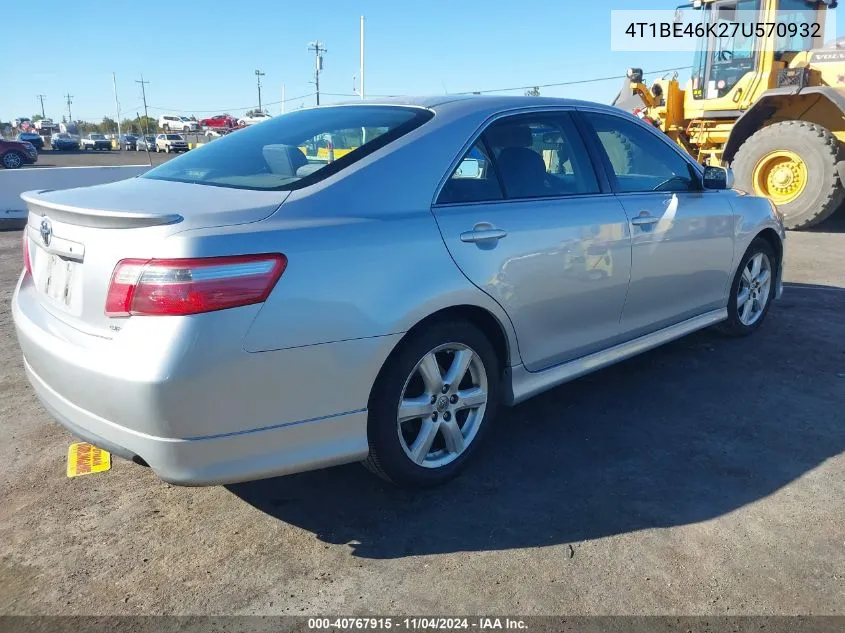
[{"x": 200, "y": 57}]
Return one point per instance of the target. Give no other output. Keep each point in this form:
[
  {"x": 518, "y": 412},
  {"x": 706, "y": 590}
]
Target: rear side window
[
  {"x": 293, "y": 150},
  {"x": 520, "y": 157},
  {"x": 640, "y": 160},
  {"x": 538, "y": 156}
]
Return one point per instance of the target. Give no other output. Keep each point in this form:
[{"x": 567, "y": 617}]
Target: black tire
[
  {"x": 387, "y": 456},
  {"x": 12, "y": 160},
  {"x": 733, "y": 326},
  {"x": 818, "y": 148}
]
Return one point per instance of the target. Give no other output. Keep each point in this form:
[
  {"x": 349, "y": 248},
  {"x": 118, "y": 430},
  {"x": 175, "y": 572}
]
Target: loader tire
[{"x": 763, "y": 161}]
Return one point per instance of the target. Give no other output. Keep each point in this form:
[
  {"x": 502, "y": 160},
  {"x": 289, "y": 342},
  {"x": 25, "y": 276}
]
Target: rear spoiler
[{"x": 98, "y": 218}]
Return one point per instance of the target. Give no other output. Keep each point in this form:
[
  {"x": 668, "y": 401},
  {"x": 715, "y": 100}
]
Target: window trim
[
  {"x": 568, "y": 110},
  {"x": 697, "y": 169}
]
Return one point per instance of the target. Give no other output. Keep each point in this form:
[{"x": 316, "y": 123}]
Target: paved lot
[
  {"x": 79, "y": 158},
  {"x": 704, "y": 477}
]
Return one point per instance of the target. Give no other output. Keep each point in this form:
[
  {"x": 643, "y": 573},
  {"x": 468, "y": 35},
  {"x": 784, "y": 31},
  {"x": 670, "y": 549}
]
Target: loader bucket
[{"x": 627, "y": 99}]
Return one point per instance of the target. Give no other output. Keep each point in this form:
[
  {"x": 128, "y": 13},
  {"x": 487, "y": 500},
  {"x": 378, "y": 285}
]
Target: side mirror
[{"x": 718, "y": 178}]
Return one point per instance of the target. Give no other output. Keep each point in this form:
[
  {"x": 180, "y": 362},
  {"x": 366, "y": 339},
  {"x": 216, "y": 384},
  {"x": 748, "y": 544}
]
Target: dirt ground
[{"x": 706, "y": 477}]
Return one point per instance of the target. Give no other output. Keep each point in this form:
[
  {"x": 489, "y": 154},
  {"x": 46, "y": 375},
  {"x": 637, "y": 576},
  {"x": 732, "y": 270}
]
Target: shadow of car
[{"x": 685, "y": 433}]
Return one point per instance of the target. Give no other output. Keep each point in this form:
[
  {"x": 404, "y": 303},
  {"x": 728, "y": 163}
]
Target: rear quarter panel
[
  {"x": 348, "y": 278},
  {"x": 365, "y": 256}
]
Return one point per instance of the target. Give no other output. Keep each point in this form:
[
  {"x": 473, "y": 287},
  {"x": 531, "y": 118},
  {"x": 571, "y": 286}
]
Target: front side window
[
  {"x": 293, "y": 150},
  {"x": 639, "y": 159}
]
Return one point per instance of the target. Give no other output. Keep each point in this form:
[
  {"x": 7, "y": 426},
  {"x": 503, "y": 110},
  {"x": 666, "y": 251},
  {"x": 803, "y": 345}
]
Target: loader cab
[{"x": 737, "y": 58}]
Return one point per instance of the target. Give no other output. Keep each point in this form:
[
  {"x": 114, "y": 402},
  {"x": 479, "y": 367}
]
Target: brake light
[
  {"x": 191, "y": 286},
  {"x": 27, "y": 262}
]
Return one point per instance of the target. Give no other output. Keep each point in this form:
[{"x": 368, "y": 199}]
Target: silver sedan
[{"x": 370, "y": 282}]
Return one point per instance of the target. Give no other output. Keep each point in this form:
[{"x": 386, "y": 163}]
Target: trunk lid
[{"x": 76, "y": 237}]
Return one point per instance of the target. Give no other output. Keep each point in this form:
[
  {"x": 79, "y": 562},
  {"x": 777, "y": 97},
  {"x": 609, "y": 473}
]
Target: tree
[
  {"x": 533, "y": 92},
  {"x": 147, "y": 124},
  {"x": 36, "y": 117},
  {"x": 107, "y": 125}
]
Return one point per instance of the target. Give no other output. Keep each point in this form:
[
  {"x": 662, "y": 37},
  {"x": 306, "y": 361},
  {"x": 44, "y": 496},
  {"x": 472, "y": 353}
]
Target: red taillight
[
  {"x": 27, "y": 262},
  {"x": 191, "y": 286}
]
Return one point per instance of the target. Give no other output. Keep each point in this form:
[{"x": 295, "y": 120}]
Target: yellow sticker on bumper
[{"x": 86, "y": 459}]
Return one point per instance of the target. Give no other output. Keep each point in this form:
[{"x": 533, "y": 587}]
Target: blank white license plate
[{"x": 58, "y": 280}]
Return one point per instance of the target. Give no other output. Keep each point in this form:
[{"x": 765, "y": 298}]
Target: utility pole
[
  {"x": 117, "y": 110},
  {"x": 69, "y": 98},
  {"x": 318, "y": 49},
  {"x": 144, "y": 96},
  {"x": 41, "y": 98},
  {"x": 258, "y": 76},
  {"x": 362, "y": 57}
]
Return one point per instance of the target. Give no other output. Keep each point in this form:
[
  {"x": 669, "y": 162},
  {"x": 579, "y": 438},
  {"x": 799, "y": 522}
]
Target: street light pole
[{"x": 258, "y": 75}]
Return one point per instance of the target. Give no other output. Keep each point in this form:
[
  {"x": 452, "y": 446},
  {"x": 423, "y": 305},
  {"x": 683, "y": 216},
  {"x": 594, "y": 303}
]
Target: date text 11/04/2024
[
  {"x": 417, "y": 623},
  {"x": 723, "y": 29}
]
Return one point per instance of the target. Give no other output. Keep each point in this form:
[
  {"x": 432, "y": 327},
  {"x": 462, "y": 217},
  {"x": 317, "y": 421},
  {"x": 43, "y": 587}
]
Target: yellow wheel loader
[{"x": 771, "y": 105}]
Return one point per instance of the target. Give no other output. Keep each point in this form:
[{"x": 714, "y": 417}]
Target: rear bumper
[
  {"x": 184, "y": 396},
  {"x": 244, "y": 456}
]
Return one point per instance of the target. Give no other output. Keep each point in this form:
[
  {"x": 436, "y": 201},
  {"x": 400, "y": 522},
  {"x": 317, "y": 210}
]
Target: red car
[
  {"x": 219, "y": 120},
  {"x": 14, "y": 154}
]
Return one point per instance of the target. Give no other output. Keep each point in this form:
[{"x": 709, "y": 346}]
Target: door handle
[
  {"x": 483, "y": 235},
  {"x": 642, "y": 220}
]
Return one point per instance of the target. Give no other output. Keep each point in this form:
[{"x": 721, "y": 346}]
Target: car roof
[{"x": 468, "y": 104}]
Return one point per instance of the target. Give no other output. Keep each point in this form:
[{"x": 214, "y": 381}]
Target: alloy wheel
[
  {"x": 442, "y": 405},
  {"x": 754, "y": 288},
  {"x": 12, "y": 160}
]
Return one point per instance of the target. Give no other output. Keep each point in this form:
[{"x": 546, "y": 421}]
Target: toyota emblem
[{"x": 46, "y": 231}]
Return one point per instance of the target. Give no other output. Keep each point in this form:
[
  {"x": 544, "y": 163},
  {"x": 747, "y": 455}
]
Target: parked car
[
  {"x": 255, "y": 117},
  {"x": 95, "y": 141},
  {"x": 34, "y": 139},
  {"x": 128, "y": 142},
  {"x": 219, "y": 121},
  {"x": 171, "y": 143},
  {"x": 172, "y": 122},
  {"x": 63, "y": 141},
  {"x": 14, "y": 154},
  {"x": 247, "y": 313},
  {"x": 145, "y": 143}
]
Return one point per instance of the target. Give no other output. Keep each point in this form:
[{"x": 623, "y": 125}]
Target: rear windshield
[{"x": 293, "y": 150}]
